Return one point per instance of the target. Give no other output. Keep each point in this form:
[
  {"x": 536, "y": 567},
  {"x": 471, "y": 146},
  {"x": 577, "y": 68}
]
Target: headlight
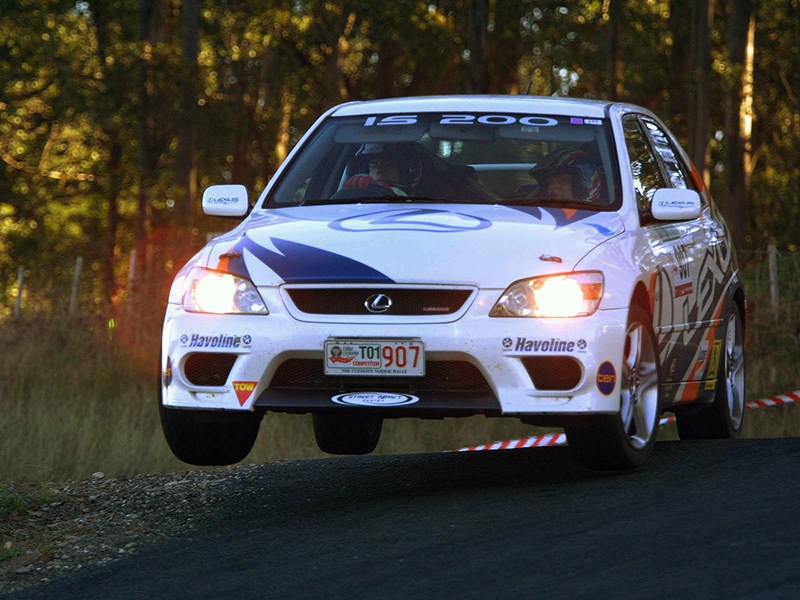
[
  {"x": 568, "y": 295},
  {"x": 221, "y": 293}
]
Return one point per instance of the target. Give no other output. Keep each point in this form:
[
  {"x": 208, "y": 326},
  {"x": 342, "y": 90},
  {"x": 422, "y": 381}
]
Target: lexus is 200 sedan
[{"x": 552, "y": 260}]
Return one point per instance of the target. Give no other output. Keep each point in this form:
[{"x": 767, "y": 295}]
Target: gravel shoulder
[{"x": 51, "y": 530}]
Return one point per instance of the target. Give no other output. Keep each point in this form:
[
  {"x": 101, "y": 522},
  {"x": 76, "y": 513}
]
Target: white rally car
[{"x": 553, "y": 260}]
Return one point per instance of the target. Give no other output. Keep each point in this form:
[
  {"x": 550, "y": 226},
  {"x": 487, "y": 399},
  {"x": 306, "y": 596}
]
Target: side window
[
  {"x": 676, "y": 171},
  {"x": 647, "y": 176}
]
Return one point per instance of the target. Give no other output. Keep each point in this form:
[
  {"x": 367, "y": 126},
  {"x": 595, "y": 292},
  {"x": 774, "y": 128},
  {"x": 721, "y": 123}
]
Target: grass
[
  {"x": 17, "y": 500},
  {"x": 76, "y": 402},
  {"x": 11, "y": 501},
  {"x": 77, "y": 399}
]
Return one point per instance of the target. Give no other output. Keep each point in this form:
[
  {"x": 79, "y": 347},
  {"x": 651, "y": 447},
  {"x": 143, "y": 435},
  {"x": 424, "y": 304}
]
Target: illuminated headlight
[
  {"x": 221, "y": 293},
  {"x": 568, "y": 295}
]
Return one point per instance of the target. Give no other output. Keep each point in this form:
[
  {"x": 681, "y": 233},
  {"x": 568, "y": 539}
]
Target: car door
[
  {"x": 676, "y": 251},
  {"x": 709, "y": 256}
]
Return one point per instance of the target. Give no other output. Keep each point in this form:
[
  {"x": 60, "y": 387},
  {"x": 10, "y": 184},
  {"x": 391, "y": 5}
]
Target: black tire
[
  {"x": 208, "y": 438},
  {"x": 625, "y": 440},
  {"x": 723, "y": 418},
  {"x": 347, "y": 433}
]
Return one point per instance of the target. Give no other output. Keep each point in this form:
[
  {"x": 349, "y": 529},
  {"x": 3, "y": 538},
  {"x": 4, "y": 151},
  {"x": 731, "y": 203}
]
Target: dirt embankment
[{"x": 49, "y": 531}]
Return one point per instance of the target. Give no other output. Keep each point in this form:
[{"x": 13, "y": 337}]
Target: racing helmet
[
  {"x": 407, "y": 157},
  {"x": 583, "y": 172}
]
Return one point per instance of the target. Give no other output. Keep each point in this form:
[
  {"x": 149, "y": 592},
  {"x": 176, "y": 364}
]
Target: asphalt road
[{"x": 712, "y": 519}]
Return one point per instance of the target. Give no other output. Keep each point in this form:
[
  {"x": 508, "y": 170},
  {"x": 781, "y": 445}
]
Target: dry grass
[
  {"x": 74, "y": 403},
  {"x": 76, "y": 400}
]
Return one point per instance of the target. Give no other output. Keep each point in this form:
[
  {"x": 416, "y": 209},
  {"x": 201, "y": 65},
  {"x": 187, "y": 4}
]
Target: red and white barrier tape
[
  {"x": 559, "y": 439},
  {"x": 779, "y": 400}
]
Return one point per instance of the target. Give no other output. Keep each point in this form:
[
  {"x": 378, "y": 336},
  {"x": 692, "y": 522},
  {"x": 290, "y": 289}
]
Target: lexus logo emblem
[{"x": 378, "y": 303}]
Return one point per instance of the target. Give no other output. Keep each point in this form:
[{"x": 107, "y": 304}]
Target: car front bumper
[{"x": 474, "y": 364}]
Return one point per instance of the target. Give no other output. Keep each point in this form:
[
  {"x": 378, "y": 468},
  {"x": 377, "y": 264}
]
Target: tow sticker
[{"x": 244, "y": 390}]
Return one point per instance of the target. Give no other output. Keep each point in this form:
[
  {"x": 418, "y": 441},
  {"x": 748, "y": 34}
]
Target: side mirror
[
  {"x": 675, "y": 205},
  {"x": 225, "y": 200}
]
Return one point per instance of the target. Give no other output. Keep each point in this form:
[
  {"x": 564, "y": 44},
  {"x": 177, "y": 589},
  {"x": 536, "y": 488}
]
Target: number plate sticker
[{"x": 375, "y": 357}]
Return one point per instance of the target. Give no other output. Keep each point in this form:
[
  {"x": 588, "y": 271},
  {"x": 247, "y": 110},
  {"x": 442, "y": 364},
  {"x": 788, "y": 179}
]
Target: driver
[
  {"x": 394, "y": 167},
  {"x": 568, "y": 175}
]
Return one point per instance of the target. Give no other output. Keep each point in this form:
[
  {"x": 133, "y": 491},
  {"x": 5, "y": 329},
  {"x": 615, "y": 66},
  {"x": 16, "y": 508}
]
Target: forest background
[{"x": 116, "y": 114}]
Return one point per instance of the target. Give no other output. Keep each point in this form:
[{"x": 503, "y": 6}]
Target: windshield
[{"x": 471, "y": 158}]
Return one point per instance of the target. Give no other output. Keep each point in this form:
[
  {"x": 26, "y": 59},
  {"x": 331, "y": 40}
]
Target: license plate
[{"x": 405, "y": 358}]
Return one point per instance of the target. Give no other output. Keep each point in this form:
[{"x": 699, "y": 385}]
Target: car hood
[{"x": 484, "y": 245}]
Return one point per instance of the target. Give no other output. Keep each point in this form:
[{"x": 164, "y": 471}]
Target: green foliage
[
  {"x": 775, "y": 185},
  {"x": 773, "y": 331},
  {"x": 89, "y": 107}
]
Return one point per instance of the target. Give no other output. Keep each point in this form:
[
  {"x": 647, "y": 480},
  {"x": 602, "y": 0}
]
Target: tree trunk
[
  {"x": 681, "y": 91},
  {"x": 187, "y": 120},
  {"x": 112, "y": 224},
  {"x": 113, "y": 176},
  {"x": 282, "y": 139},
  {"x": 700, "y": 114},
  {"x": 478, "y": 46},
  {"x": 146, "y": 10},
  {"x": 737, "y": 118},
  {"x": 615, "y": 65}
]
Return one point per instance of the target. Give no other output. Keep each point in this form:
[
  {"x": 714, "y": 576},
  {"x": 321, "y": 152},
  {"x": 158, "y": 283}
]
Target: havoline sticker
[{"x": 374, "y": 399}]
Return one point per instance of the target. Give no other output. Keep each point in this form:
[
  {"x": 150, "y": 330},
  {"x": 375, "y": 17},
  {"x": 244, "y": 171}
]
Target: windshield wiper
[
  {"x": 556, "y": 203},
  {"x": 421, "y": 199},
  {"x": 346, "y": 200},
  {"x": 389, "y": 198}
]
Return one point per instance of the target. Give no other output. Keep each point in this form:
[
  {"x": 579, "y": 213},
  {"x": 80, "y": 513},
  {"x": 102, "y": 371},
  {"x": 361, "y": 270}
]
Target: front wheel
[
  {"x": 723, "y": 418},
  {"x": 209, "y": 438},
  {"x": 625, "y": 440},
  {"x": 347, "y": 433}
]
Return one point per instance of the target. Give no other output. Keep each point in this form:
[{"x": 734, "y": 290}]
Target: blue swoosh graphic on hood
[
  {"x": 299, "y": 263},
  {"x": 601, "y": 230},
  {"x": 414, "y": 219}
]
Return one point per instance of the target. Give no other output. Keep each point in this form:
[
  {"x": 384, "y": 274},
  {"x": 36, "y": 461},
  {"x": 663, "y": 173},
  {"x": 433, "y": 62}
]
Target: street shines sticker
[
  {"x": 374, "y": 399},
  {"x": 606, "y": 378}
]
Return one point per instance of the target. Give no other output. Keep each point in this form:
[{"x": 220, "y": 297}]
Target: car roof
[{"x": 547, "y": 105}]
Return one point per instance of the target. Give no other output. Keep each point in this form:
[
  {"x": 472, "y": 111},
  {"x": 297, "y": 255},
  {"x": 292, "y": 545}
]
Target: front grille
[
  {"x": 404, "y": 301},
  {"x": 440, "y": 376},
  {"x": 556, "y": 373},
  {"x": 208, "y": 368}
]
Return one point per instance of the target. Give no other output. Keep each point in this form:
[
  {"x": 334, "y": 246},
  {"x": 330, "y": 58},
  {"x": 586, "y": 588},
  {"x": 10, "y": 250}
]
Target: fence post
[
  {"x": 132, "y": 268},
  {"x": 20, "y": 283},
  {"x": 76, "y": 280},
  {"x": 772, "y": 253},
  {"x": 131, "y": 284}
]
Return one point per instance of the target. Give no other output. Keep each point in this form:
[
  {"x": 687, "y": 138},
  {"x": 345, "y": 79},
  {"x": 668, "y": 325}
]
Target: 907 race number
[{"x": 375, "y": 357}]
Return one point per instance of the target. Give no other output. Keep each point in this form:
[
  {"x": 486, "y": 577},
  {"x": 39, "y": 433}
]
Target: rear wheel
[
  {"x": 625, "y": 440},
  {"x": 206, "y": 438},
  {"x": 723, "y": 418},
  {"x": 347, "y": 433}
]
